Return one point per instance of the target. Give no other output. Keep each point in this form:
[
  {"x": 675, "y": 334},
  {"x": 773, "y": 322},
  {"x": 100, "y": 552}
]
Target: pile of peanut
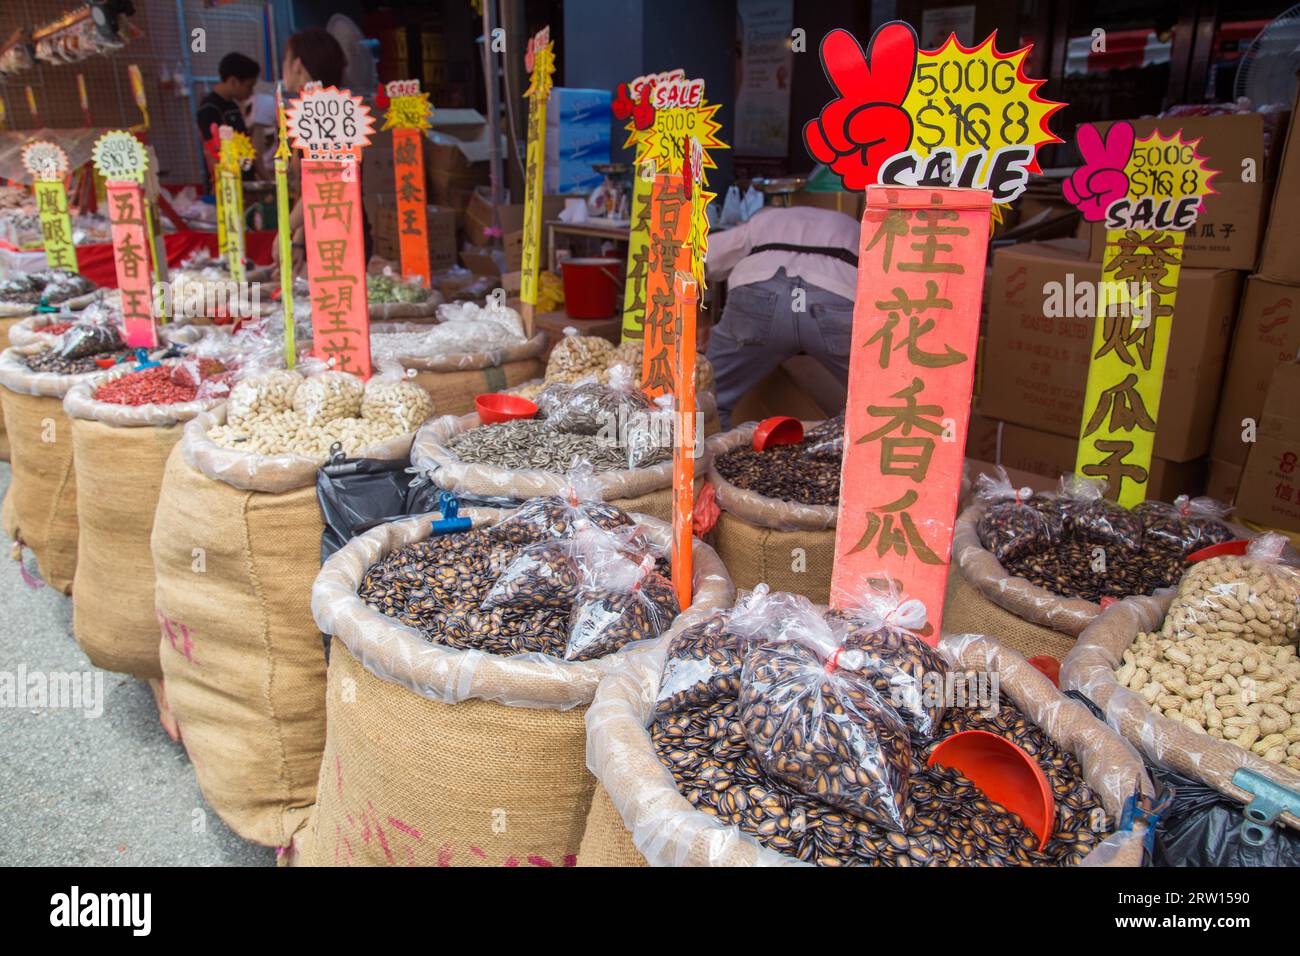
[
  {"x": 283, "y": 413},
  {"x": 1224, "y": 662}
]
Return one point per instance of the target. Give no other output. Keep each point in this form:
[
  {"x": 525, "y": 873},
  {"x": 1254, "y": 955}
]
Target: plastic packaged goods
[
  {"x": 1090, "y": 517},
  {"x": 580, "y": 359},
  {"x": 1187, "y": 525},
  {"x": 559, "y": 516},
  {"x": 805, "y": 473},
  {"x": 619, "y": 601},
  {"x": 1013, "y": 522},
  {"x": 463, "y": 329},
  {"x": 689, "y": 790},
  {"x": 590, "y": 407},
  {"x": 20, "y": 294}
]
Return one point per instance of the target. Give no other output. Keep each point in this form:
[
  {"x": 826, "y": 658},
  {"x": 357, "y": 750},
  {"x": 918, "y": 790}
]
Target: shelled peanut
[{"x": 1230, "y": 688}]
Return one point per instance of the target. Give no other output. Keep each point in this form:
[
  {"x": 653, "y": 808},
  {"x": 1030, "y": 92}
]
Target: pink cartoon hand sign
[
  {"x": 1101, "y": 179},
  {"x": 866, "y": 124}
]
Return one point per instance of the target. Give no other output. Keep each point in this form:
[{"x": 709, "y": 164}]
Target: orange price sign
[
  {"x": 408, "y": 117},
  {"x": 666, "y": 254},
  {"x": 121, "y": 160},
  {"x": 686, "y": 294},
  {"x": 911, "y": 374}
]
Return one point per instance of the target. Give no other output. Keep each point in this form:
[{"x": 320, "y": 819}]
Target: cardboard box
[
  {"x": 440, "y": 226},
  {"x": 1230, "y": 229},
  {"x": 514, "y": 243},
  {"x": 573, "y": 106},
  {"x": 1267, "y": 332},
  {"x": 1269, "y": 492},
  {"x": 510, "y": 216},
  {"x": 1280, "y": 258},
  {"x": 1222, "y": 482},
  {"x": 1049, "y": 455},
  {"x": 1035, "y": 367}
]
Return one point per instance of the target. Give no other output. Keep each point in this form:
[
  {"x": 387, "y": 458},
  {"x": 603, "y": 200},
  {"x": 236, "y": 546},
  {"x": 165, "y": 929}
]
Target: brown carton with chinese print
[
  {"x": 1042, "y": 301},
  {"x": 1269, "y": 492}
]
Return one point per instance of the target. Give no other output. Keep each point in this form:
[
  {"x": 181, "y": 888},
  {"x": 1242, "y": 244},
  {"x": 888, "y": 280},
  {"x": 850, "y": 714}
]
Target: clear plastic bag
[
  {"x": 262, "y": 392},
  {"x": 541, "y": 575},
  {"x": 329, "y": 395},
  {"x": 558, "y": 516},
  {"x": 823, "y": 728},
  {"x": 1090, "y": 516},
  {"x": 826, "y": 441},
  {"x": 620, "y": 601},
  {"x": 649, "y": 433},
  {"x": 592, "y": 407},
  {"x": 1012, "y": 524},
  {"x": 1252, "y": 598},
  {"x": 89, "y": 338},
  {"x": 1187, "y": 525}
]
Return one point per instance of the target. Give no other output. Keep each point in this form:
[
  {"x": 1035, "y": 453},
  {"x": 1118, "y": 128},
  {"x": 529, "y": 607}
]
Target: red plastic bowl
[
  {"x": 781, "y": 430},
  {"x": 497, "y": 407}
]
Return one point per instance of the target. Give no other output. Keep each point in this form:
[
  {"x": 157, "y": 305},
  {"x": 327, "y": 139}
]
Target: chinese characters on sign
[
  {"x": 542, "y": 57},
  {"x": 332, "y": 126},
  {"x": 686, "y": 295},
  {"x": 285, "y": 235},
  {"x": 666, "y": 254},
  {"x": 911, "y": 373},
  {"x": 120, "y": 158},
  {"x": 235, "y": 155},
  {"x": 48, "y": 164},
  {"x": 1149, "y": 194},
  {"x": 408, "y": 117}
]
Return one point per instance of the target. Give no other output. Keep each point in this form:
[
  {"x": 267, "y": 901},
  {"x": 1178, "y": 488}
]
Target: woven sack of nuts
[
  {"x": 757, "y": 536},
  {"x": 6, "y": 324},
  {"x": 41, "y": 504},
  {"x": 486, "y": 752},
  {"x": 120, "y": 453},
  {"x": 642, "y": 490},
  {"x": 638, "y": 816},
  {"x": 236, "y": 546},
  {"x": 1169, "y": 716}
]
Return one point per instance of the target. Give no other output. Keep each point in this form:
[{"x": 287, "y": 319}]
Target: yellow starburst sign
[{"x": 408, "y": 107}]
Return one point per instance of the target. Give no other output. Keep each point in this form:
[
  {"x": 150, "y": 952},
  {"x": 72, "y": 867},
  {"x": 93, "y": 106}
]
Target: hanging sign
[
  {"x": 686, "y": 297},
  {"x": 47, "y": 164},
  {"x": 121, "y": 160},
  {"x": 408, "y": 117},
  {"x": 1149, "y": 193},
  {"x": 284, "y": 232},
  {"x": 911, "y": 375},
  {"x": 235, "y": 154},
  {"x": 954, "y": 116},
  {"x": 540, "y": 62},
  {"x": 331, "y": 127},
  {"x": 662, "y": 111}
]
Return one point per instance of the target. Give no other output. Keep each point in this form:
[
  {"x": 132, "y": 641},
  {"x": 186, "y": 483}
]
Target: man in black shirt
[{"x": 221, "y": 105}]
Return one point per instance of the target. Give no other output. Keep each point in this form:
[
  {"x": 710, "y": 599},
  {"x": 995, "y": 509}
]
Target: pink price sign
[
  {"x": 126, "y": 212},
  {"x": 911, "y": 373}
]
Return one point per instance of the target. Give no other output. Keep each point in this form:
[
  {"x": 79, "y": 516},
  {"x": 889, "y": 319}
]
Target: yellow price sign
[{"x": 540, "y": 60}]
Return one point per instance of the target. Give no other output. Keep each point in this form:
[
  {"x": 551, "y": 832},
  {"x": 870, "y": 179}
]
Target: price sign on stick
[
  {"x": 911, "y": 374},
  {"x": 667, "y": 253},
  {"x": 1148, "y": 192},
  {"x": 235, "y": 154},
  {"x": 331, "y": 127},
  {"x": 121, "y": 160},
  {"x": 540, "y": 62},
  {"x": 408, "y": 117},
  {"x": 686, "y": 295},
  {"x": 284, "y": 233},
  {"x": 663, "y": 112},
  {"x": 47, "y": 164}
]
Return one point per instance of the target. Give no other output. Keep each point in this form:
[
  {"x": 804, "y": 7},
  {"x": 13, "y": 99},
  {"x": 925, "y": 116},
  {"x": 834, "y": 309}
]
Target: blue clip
[
  {"x": 45, "y": 306},
  {"x": 1138, "y": 808},
  {"x": 450, "y": 522},
  {"x": 142, "y": 356},
  {"x": 1269, "y": 801}
]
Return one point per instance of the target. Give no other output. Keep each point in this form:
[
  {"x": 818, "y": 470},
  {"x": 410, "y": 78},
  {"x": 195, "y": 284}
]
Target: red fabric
[{"x": 96, "y": 261}]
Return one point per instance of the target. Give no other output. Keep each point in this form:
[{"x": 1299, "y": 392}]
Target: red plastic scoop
[
  {"x": 497, "y": 407},
  {"x": 1218, "y": 550},
  {"x": 781, "y": 430},
  {"x": 1005, "y": 773}
]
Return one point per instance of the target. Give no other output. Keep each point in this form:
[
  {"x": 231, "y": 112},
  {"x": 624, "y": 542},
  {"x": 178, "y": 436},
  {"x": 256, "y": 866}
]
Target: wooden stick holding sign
[
  {"x": 1148, "y": 193},
  {"x": 331, "y": 127},
  {"x": 47, "y": 163},
  {"x": 121, "y": 160},
  {"x": 284, "y": 233},
  {"x": 540, "y": 63},
  {"x": 911, "y": 376},
  {"x": 686, "y": 297},
  {"x": 407, "y": 116}
]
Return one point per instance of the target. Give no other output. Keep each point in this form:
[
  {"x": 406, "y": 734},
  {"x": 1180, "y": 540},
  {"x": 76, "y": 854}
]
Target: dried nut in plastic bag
[
  {"x": 1181, "y": 526},
  {"x": 328, "y": 396},
  {"x": 541, "y": 575},
  {"x": 605, "y": 619},
  {"x": 826, "y": 732},
  {"x": 402, "y": 404},
  {"x": 1237, "y": 597},
  {"x": 551, "y": 516},
  {"x": 262, "y": 395},
  {"x": 703, "y": 665}
]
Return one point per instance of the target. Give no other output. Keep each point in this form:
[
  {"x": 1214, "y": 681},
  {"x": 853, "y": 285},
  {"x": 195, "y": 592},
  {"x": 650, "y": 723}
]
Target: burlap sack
[
  {"x": 1090, "y": 669},
  {"x": 31, "y": 330},
  {"x": 5, "y": 325},
  {"x": 236, "y": 546},
  {"x": 41, "y": 502},
  {"x": 406, "y": 311},
  {"x": 10, "y": 310},
  {"x": 641, "y": 490},
  {"x": 451, "y": 757},
  {"x": 120, "y": 452},
  {"x": 788, "y": 545},
  {"x": 454, "y": 381},
  {"x": 659, "y": 824}
]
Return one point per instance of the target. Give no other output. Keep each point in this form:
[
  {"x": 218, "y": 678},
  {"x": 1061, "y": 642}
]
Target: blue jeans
[{"x": 761, "y": 328}]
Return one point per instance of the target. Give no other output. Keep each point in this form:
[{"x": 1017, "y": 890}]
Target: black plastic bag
[{"x": 356, "y": 494}]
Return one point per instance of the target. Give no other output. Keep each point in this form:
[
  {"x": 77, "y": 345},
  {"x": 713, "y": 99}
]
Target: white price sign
[
  {"x": 120, "y": 157},
  {"x": 329, "y": 123},
  {"x": 45, "y": 160}
]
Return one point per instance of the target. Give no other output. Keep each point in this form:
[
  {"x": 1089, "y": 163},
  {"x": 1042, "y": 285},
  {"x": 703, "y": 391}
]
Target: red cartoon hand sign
[
  {"x": 867, "y": 124},
  {"x": 1101, "y": 179},
  {"x": 642, "y": 111},
  {"x": 622, "y": 104}
]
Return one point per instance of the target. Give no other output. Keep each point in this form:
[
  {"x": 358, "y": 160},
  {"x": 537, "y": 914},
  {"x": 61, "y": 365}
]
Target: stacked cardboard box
[
  {"x": 1269, "y": 491},
  {"x": 1036, "y": 351}
]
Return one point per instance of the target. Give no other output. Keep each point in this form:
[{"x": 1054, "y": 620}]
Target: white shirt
[{"x": 729, "y": 251}]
